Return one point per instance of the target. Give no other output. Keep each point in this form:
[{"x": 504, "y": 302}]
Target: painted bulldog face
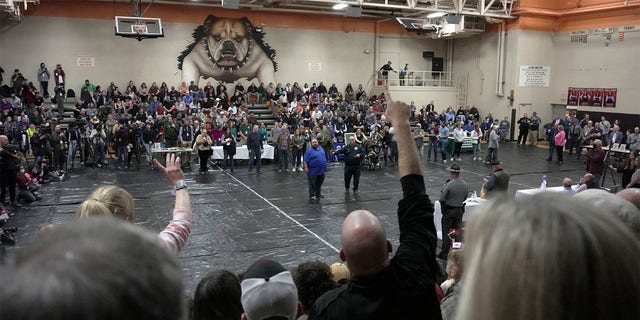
[{"x": 228, "y": 44}]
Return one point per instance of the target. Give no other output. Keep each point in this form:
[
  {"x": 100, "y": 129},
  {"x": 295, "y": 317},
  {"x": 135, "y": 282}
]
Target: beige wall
[
  {"x": 341, "y": 54},
  {"x": 343, "y": 59},
  {"x": 591, "y": 65}
]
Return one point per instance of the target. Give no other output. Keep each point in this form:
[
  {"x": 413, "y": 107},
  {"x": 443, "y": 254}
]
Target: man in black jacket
[
  {"x": 353, "y": 155},
  {"x": 523, "y": 125},
  {"x": 8, "y": 170},
  {"x": 383, "y": 288}
]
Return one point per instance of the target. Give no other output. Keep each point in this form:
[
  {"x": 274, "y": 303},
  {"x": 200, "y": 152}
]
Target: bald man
[
  {"x": 630, "y": 194},
  {"x": 383, "y": 288}
]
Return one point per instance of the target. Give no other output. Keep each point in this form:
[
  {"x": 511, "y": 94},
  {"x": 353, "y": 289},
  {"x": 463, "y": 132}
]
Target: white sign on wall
[
  {"x": 315, "y": 66},
  {"x": 86, "y": 61},
  {"x": 535, "y": 76}
]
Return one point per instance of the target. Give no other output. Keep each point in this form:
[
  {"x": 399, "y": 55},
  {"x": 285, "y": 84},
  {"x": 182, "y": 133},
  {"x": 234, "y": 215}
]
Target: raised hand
[
  {"x": 397, "y": 112},
  {"x": 172, "y": 169}
]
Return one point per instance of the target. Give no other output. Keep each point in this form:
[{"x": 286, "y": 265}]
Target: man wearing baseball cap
[{"x": 268, "y": 292}]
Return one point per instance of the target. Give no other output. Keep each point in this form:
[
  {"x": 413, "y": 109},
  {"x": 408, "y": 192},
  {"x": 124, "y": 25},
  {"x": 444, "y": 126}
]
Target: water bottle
[{"x": 543, "y": 184}]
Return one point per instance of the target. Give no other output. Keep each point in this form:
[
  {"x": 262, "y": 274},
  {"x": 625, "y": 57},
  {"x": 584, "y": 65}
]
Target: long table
[
  {"x": 183, "y": 153},
  {"x": 242, "y": 153},
  {"x": 526, "y": 193}
]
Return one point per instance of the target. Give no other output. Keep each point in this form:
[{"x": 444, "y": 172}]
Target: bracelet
[{"x": 180, "y": 185}]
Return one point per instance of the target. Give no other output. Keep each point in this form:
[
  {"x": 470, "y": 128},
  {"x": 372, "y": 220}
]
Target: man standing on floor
[
  {"x": 534, "y": 127},
  {"x": 315, "y": 165},
  {"x": 595, "y": 160},
  {"x": 353, "y": 155},
  {"x": 283, "y": 143},
  {"x": 523, "y": 125},
  {"x": 383, "y": 288},
  {"x": 452, "y": 199},
  {"x": 493, "y": 144},
  {"x": 254, "y": 146}
]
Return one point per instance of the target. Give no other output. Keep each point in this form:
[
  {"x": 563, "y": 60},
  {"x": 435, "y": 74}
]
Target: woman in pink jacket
[{"x": 560, "y": 140}]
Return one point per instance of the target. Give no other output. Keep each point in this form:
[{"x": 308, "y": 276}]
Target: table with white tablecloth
[
  {"x": 184, "y": 154},
  {"x": 472, "y": 208},
  {"x": 242, "y": 153},
  {"x": 526, "y": 193}
]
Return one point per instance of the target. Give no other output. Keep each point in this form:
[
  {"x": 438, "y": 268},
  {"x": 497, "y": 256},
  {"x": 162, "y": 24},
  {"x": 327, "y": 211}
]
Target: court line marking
[{"x": 284, "y": 213}]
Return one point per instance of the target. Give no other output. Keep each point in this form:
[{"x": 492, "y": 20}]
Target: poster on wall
[
  {"x": 610, "y": 97},
  {"x": 572, "y": 96},
  {"x": 596, "y": 97},
  {"x": 228, "y": 49},
  {"x": 584, "y": 98},
  {"x": 592, "y": 97}
]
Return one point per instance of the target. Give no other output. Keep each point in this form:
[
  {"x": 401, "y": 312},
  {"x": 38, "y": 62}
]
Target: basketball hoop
[{"x": 139, "y": 29}]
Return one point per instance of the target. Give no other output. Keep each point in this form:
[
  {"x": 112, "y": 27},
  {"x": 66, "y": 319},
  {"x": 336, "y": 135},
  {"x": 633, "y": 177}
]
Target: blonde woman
[
  {"x": 203, "y": 145},
  {"x": 117, "y": 202},
  {"x": 550, "y": 257}
]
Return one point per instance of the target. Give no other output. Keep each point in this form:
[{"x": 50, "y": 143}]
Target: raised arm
[
  {"x": 398, "y": 113},
  {"x": 175, "y": 235}
]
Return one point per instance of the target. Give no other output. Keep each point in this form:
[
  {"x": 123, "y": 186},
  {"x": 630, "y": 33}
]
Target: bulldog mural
[{"x": 227, "y": 49}]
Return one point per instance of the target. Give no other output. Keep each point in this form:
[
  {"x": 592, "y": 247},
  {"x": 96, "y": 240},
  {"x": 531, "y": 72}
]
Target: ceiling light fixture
[
  {"x": 436, "y": 15},
  {"x": 339, "y": 6}
]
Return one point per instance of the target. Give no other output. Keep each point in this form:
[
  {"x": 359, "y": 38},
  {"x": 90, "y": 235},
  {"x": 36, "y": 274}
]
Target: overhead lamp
[
  {"x": 436, "y": 15},
  {"x": 340, "y": 6}
]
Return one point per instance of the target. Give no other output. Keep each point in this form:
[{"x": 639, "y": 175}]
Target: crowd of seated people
[{"x": 119, "y": 118}]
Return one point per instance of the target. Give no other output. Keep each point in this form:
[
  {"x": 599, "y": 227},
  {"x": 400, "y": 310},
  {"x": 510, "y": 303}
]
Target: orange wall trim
[
  {"x": 548, "y": 15},
  {"x": 541, "y": 15}
]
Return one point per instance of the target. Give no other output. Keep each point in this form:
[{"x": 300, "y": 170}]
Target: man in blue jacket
[{"x": 315, "y": 165}]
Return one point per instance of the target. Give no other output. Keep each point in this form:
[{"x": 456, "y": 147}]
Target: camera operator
[
  {"x": 58, "y": 146},
  {"x": 59, "y": 99},
  {"x": 73, "y": 138},
  {"x": 8, "y": 171},
  {"x": 45, "y": 142},
  {"x": 22, "y": 139},
  {"x": 121, "y": 141},
  {"x": 85, "y": 143},
  {"x": 98, "y": 137}
]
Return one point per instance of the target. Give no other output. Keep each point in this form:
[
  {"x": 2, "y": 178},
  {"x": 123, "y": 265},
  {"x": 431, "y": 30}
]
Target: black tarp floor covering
[{"x": 242, "y": 217}]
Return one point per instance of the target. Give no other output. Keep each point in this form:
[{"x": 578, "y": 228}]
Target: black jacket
[
  {"x": 406, "y": 288},
  {"x": 350, "y": 153}
]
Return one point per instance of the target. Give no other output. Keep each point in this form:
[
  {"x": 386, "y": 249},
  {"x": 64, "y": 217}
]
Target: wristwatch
[{"x": 180, "y": 185}]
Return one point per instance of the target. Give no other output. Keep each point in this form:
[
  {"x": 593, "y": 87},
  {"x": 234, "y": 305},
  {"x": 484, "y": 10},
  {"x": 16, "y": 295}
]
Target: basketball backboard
[
  {"x": 417, "y": 25},
  {"x": 138, "y": 27}
]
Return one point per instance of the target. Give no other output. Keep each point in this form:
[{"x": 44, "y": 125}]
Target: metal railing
[{"x": 417, "y": 78}]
